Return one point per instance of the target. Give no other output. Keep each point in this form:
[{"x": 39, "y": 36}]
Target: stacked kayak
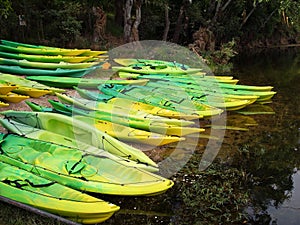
[
  {"x": 14, "y": 89},
  {"x": 23, "y": 186},
  {"x": 26, "y": 59}
]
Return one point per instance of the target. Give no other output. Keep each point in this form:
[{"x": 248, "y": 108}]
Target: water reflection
[{"x": 272, "y": 154}]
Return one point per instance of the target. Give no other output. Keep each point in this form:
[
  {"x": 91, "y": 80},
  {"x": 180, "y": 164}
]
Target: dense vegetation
[{"x": 203, "y": 25}]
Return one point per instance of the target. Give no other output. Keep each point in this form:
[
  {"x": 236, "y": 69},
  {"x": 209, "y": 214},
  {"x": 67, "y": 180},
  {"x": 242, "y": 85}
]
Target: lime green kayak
[
  {"x": 157, "y": 127},
  {"x": 156, "y": 69},
  {"x": 31, "y": 189},
  {"x": 45, "y": 135},
  {"x": 42, "y": 51},
  {"x": 75, "y": 129},
  {"x": 45, "y": 72},
  {"x": 44, "y": 65},
  {"x": 46, "y": 58},
  {"x": 165, "y": 100},
  {"x": 22, "y": 82},
  {"x": 122, "y": 102},
  {"x": 115, "y": 110},
  {"x": 121, "y": 132},
  {"x": 134, "y": 62},
  {"x": 72, "y": 168},
  {"x": 18, "y": 44},
  {"x": 70, "y": 82}
]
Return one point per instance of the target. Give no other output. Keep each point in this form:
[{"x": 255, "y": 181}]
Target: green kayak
[
  {"x": 44, "y": 72},
  {"x": 31, "y": 189},
  {"x": 156, "y": 69},
  {"x": 70, "y": 82},
  {"x": 73, "y": 168},
  {"x": 75, "y": 129},
  {"x": 47, "y": 58},
  {"x": 116, "y": 110},
  {"x": 25, "y": 130},
  {"x": 20, "y": 81},
  {"x": 42, "y": 51},
  {"x": 43, "y": 65},
  {"x": 87, "y": 52},
  {"x": 121, "y": 132}
]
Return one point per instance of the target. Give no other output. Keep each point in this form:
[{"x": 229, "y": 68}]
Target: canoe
[
  {"x": 13, "y": 97},
  {"x": 88, "y": 52},
  {"x": 84, "y": 172},
  {"x": 134, "y": 105},
  {"x": 45, "y": 135},
  {"x": 121, "y": 132},
  {"x": 42, "y": 51},
  {"x": 23, "y": 82},
  {"x": 70, "y": 82},
  {"x": 31, "y": 189},
  {"x": 72, "y": 128},
  {"x": 32, "y": 92},
  {"x": 6, "y": 87},
  {"x": 124, "y": 112},
  {"x": 44, "y": 72},
  {"x": 44, "y": 65},
  {"x": 157, "y": 69},
  {"x": 46, "y": 58},
  {"x": 161, "y": 128}
]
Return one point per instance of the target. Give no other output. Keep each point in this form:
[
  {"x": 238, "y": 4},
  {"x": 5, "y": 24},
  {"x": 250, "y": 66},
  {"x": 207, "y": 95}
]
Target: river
[{"x": 259, "y": 180}]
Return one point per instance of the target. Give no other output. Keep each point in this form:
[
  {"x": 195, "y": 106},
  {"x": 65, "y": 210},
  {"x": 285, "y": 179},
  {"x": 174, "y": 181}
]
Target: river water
[{"x": 266, "y": 155}]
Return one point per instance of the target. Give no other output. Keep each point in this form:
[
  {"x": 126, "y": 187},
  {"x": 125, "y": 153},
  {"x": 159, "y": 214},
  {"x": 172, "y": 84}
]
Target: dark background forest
[{"x": 204, "y": 25}]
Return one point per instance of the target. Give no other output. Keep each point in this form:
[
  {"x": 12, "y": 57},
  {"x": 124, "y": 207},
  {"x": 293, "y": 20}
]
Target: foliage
[{"x": 5, "y": 8}]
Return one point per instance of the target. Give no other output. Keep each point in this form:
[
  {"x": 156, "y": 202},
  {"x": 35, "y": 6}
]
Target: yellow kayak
[
  {"x": 129, "y": 134},
  {"x": 13, "y": 97},
  {"x": 32, "y": 92}
]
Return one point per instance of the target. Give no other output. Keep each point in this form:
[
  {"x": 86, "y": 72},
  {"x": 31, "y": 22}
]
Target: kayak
[
  {"x": 181, "y": 104},
  {"x": 32, "y": 92},
  {"x": 17, "y": 44},
  {"x": 23, "y": 82},
  {"x": 115, "y": 110},
  {"x": 75, "y": 169},
  {"x": 161, "y": 128},
  {"x": 31, "y": 189},
  {"x": 121, "y": 132},
  {"x": 6, "y": 87},
  {"x": 131, "y": 62},
  {"x": 13, "y": 97},
  {"x": 184, "y": 79},
  {"x": 3, "y": 104},
  {"x": 47, "y": 58},
  {"x": 42, "y": 51},
  {"x": 44, "y": 72},
  {"x": 70, "y": 82},
  {"x": 46, "y": 65},
  {"x": 75, "y": 129},
  {"x": 156, "y": 69},
  {"x": 134, "y": 105},
  {"x": 197, "y": 96},
  {"x": 45, "y": 135}
]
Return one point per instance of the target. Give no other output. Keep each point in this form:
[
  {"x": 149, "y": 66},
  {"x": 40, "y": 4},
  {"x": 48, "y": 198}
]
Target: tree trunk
[
  {"x": 167, "y": 22},
  {"x": 138, "y": 17},
  {"x": 178, "y": 27},
  {"x": 119, "y": 19},
  {"x": 127, "y": 20}
]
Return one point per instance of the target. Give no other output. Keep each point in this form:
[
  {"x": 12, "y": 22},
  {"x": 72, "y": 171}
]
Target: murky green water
[{"x": 256, "y": 176}]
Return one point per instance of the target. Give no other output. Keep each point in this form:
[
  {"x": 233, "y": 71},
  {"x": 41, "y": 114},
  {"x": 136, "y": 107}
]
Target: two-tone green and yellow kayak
[{"x": 31, "y": 189}]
